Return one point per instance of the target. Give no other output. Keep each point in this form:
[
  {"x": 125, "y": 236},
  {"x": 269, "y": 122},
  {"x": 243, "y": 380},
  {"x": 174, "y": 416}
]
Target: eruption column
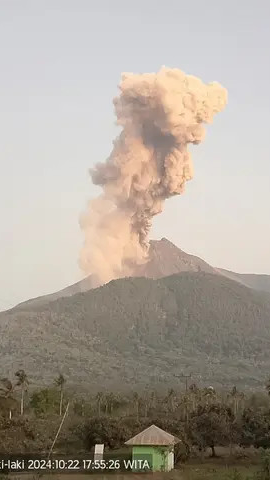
[{"x": 160, "y": 114}]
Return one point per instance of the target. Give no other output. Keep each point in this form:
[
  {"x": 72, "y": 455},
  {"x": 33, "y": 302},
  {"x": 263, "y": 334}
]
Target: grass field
[
  {"x": 207, "y": 471},
  {"x": 241, "y": 465}
]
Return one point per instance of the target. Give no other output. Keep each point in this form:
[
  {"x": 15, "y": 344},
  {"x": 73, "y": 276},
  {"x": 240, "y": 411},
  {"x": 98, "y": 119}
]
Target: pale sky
[{"x": 61, "y": 61}]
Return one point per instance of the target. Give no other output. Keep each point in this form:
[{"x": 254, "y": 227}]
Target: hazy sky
[{"x": 61, "y": 61}]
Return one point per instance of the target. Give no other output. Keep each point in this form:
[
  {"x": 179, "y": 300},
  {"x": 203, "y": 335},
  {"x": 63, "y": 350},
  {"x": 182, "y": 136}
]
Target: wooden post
[{"x": 58, "y": 431}]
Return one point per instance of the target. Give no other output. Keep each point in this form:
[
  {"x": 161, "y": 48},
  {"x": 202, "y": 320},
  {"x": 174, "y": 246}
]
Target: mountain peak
[{"x": 166, "y": 259}]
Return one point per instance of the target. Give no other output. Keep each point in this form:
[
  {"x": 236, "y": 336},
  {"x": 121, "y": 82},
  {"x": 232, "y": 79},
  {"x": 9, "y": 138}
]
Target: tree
[
  {"x": 22, "y": 382},
  {"x": 209, "y": 395},
  {"x": 186, "y": 404},
  {"x": 145, "y": 402},
  {"x": 60, "y": 382},
  {"x": 153, "y": 399},
  {"x": 99, "y": 401},
  {"x": 267, "y": 386},
  {"x": 113, "y": 402},
  {"x": 212, "y": 425},
  {"x": 6, "y": 391},
  {"x": 79, "y": 407},
  {"x": 45, "y": 401},
  {"x": 255, "y": 428},
  {"x": 195, "y": 395},
  {"x": 24, "y": 434},
  {"x": 264, "y": 474},
  {"x": 170, "y": 400},
  {"x": 136, "y": 403},
  {"x": 6, "y": 387},
  {"x": 106, "y": 430},
  {"x": 236, "y": 398}
]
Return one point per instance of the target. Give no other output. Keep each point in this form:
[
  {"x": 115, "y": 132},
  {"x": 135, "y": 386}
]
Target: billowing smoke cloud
[{"x": 160, "y": 114}]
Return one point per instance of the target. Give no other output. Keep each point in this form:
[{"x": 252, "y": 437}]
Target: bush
[{"x": 109, "y": 431}]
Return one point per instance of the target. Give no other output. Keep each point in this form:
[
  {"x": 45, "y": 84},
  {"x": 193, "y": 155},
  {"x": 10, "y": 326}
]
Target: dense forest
[
  {"x": 140, "y": 332},
  {"x": 202, "y": 418}
]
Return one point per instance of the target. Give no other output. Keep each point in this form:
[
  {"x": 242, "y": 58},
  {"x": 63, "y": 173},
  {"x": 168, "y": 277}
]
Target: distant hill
[
  {"x": 139, "y": 331},
  {"x": 258, "y": 282},
  {"x": 164, "y": 259}
]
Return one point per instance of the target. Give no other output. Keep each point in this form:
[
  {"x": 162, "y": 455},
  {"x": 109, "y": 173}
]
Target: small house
[{"x": 153, "y": 449}]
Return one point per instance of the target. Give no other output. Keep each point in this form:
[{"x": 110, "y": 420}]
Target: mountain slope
[
  {"x": 164, "y": 259},
  {"x": 257, "y": 282},
  {"x": 81, "y": 286},
  {"x": 141, "y": 331}
]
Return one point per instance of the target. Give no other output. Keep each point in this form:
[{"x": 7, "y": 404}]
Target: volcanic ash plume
[{"x": 160, "y": 114}]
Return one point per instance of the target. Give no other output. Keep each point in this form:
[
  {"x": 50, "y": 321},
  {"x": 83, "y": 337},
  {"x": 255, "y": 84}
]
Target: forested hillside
[{"x": 140, "y": 331}]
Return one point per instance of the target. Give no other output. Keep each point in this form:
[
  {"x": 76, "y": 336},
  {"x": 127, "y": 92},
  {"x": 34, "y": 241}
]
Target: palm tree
[
  {"x": 22, "y": 382},
  {"x": 210, "y": 395},
  {"x": 136, "y": 403},
  {"x": 60, "y": 382},
  {"x": 146, "y": 403},
  {"x": 153, "y": 399},
  {"x": 170, "y": 400},
  {"x": 193, "y": 388},
  {"x": 186, "y": 405},
  {"x": 110, "y": 401},
  {"x": 236, "y": 398},
  {"x": 233, "y": 397},
  {"x": 114, "y": 402},
  {"x": 195, "y": 395},
  {"x": 99, "y": 400}
]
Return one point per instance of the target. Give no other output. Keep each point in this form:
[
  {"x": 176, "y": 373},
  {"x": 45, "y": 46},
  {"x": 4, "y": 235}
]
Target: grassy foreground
[
  {"x": 215, "y": 472},
  {"x": 241, "y": 465},
  {"x": 208, "y": 471}
]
